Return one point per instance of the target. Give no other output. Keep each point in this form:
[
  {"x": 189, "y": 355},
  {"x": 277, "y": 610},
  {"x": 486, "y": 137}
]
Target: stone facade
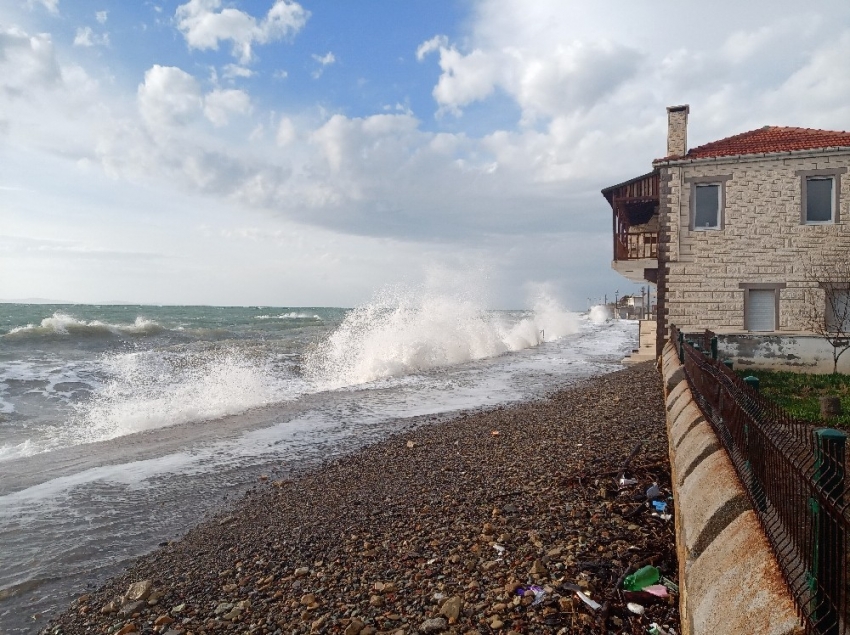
[{"x": 762, "y": 239}]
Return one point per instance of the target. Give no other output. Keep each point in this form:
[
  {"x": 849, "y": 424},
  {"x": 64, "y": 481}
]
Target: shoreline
[{"x": 406, "y": 530}]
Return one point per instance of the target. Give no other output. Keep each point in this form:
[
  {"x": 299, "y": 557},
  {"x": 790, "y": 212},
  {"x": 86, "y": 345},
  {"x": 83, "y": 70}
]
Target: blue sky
[{"x": 309, "y": 153}]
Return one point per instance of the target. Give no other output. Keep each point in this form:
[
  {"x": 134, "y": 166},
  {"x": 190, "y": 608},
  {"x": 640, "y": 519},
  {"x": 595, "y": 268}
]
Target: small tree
[{"x": 826, "y": 308}]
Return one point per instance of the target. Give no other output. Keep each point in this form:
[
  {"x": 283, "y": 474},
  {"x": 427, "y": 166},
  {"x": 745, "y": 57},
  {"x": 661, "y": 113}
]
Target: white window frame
[{"x": 776, "y": 287}]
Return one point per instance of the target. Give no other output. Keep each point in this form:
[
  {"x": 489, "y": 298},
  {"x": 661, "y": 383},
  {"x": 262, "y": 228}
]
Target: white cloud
[
  {"x": 285, "y": 132},
  {"x": 27, "y": 62},
  {"x": 101, "y": 16},
  {"x": 231, "y": 71},
  {"x": 168, "y": 96},
  {"x": 324, "y": 60},
  {"x": 86, "y": 37},
  {"x": 220, "y": 104},
  {"x": 434, "y": 44},
  {"x": 51, "y": 5},
  {"x": 204, "y": 24}
]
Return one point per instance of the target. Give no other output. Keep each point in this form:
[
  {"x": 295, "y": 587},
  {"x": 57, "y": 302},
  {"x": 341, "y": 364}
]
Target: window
[
  {"x": 708, "y": 197},
  {"x": 819, "y": 199},
  {"x": 707, "y": 206},
  {"x": 761, "y": 305},
  {"x": 819, "y": 195}
]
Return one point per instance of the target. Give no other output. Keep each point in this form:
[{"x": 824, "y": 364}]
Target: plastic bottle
[{"x": 642, "y": 578}]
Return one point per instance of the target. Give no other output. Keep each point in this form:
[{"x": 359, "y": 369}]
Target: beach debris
[
  {"x": 642, "y": 578},
  {"x": 410, "y": 444},
  {"x": 660, "y": 506},
  {"x": 655, "y": 629},
  {"x": 499, "y": 549},
  {"x": 653, "y": 492},
  {"x": 672, "y": 586},
  {"x": 627, "y": 482},
  {"x": 635, "y": 608},
  {"x": 586, "y": 599},
  {"x": 658, "y": 590},
  {"x": 494, "y": 433}
]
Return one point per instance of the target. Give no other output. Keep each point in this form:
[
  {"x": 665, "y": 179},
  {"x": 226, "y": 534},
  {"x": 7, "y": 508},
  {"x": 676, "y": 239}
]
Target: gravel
[{"x": 490, "y": 522}]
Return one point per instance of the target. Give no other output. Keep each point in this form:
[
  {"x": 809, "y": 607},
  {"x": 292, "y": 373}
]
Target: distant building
[{"x": 726, "y": 230}]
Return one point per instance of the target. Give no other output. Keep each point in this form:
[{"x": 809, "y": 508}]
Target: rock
[
  {"x": 451, "y": 608},
  {"x": 488, "y": 529},
  {"x": 300, "y": 572},
  {"x": 138, "y": 591},
  {"x": 410, "y": 444},
  {"x": 369, "y": 630},
  {"x": 376, "y": 601},
  {"x": 433, "y": 625},
  {"x": 496, "y": 624},
  {"x": 538, "y": 568},
  {"x": 233, "y": 613},
  {"x": 129, "y": 608},
  {"x": 223, "y": 607},
  {"x": 317, "y": 625},
  {"x": 229, "y": 588},
  {"x": 110, "y": 607},
  {"x": 163, "y": 620},
  {"x": 354, "y": 627},
  {"x": 178, "y": 608},
  {"x": 308, "y": 599},
  {"x": 127, "y": 628}
]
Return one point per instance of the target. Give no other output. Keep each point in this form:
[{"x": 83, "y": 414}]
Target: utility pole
[{"x": 617, "y": 304}]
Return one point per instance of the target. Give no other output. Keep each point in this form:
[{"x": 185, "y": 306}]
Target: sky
[{"x": 273, "y": 152}]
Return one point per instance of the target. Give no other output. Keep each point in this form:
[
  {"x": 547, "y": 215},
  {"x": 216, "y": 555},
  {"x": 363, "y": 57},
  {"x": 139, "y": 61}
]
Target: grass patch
[{"x": 798, "y": 393}]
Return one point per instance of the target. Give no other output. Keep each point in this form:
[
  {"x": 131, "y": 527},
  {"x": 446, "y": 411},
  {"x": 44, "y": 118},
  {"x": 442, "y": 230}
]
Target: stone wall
[
  {"x": 762, "y": 239},
  {"x": 729, "y": 580}
]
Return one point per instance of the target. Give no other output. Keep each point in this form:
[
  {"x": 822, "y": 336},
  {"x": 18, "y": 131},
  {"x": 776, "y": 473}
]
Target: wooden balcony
[
  {"x": 634, "y": 204},
  {"x": 636, "y": 245}
]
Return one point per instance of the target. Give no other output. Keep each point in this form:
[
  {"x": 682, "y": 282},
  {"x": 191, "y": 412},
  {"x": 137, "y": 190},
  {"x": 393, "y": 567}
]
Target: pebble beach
[{"x": 519, "y": 519}]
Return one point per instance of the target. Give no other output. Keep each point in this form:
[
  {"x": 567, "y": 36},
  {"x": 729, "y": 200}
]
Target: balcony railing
[{"x": 635, "y": 246}]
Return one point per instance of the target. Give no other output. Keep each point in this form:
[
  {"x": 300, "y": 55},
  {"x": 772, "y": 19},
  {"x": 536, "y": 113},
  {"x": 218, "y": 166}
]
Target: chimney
[{"x": 677, "y": 130}]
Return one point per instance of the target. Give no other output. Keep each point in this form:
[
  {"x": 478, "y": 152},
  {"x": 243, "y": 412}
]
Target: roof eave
[{"x": 685, "y": 160}]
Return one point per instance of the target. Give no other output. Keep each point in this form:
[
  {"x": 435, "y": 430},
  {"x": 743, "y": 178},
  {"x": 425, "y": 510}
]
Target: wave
[
  {"x": 407, "y": 331},
  {"x": 599, "y": 314},
  {"x": 288, "y": 316},
  {"x": 151, "y": 389},
  {"x": 62, "y": 324}
]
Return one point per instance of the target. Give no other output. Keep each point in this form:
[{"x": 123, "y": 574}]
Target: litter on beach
[
  {"x": 627, "y": 482},
  {"x": 591, "y": 603},
  {"x": 637, "y": 609}
]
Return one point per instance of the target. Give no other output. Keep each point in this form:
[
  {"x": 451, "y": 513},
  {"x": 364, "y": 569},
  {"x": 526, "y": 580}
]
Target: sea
[{"x": 121, "y": 427}]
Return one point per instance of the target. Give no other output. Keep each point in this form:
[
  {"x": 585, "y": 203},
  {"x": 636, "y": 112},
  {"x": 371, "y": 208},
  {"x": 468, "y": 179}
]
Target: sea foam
[
  {"x": 407, "y": 331},
  {"x": 63, "y": 324}
]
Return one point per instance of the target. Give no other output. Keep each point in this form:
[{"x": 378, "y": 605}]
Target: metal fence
[{"x": 793, "y": 473}]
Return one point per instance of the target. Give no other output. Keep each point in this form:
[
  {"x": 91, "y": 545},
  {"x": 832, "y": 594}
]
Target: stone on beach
[{"x": 480, "y": 533}]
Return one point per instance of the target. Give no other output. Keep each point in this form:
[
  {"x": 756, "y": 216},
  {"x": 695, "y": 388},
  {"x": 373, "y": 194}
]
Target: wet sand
[{"x": 441, "y": 529}]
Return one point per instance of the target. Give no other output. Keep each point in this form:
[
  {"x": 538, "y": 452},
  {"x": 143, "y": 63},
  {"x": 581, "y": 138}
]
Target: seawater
[{"x": 123, "y": 426}]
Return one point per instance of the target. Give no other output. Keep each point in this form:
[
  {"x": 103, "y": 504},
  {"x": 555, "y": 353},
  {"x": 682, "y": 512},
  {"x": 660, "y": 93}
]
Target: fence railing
[{"x": 793, "y": 473}]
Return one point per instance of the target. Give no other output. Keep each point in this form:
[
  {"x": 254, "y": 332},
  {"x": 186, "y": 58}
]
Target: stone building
[{"x": 731, "y": 232}]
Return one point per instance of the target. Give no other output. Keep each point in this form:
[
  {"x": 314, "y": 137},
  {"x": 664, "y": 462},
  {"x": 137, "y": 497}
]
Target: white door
[{"x": 761, "y": 310}]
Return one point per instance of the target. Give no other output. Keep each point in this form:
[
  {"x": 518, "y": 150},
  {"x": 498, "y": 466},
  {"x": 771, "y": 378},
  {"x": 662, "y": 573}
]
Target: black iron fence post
[{"x": 828, "y": 557}]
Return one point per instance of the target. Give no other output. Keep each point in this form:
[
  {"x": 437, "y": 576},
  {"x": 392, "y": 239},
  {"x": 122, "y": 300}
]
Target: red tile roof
[{"x": 769, "y": 139}]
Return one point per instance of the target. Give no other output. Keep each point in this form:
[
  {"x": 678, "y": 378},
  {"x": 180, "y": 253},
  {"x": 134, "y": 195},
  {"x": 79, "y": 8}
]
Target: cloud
[
  {"x": 434, "y": 44},
  {"x": 285, "y": 132},
  {"x": 51, "y": 5},
  {"x": 86, "y": 37},
  {"x": 27, "y": 62},
  {"x": 169, "y": 96},
  {"x": 324, "y": 60},
  {"x": 220, "y": 104},
  {"x": 232, "y": 71},
  {"x": 101, "y": 16},
  {"x": 204, "y": 24},
  {"x": 544, "y": 83}
]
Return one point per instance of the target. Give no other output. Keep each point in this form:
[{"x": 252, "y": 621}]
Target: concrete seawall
[{"x": 729, "y": 579}]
